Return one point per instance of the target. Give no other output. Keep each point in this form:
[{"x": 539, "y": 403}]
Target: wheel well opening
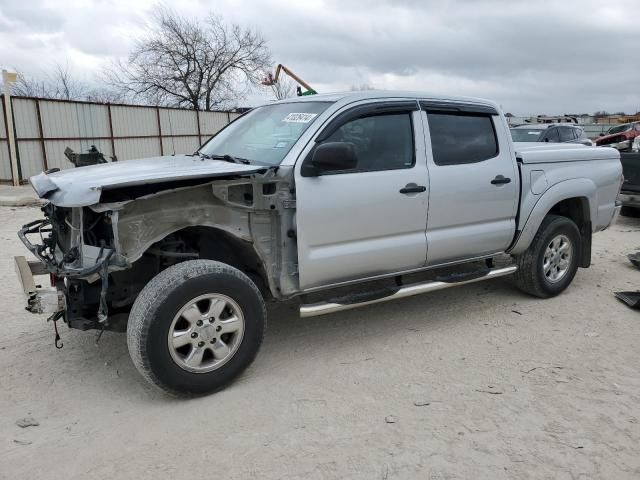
[
  {"x": 577, "y": 209},
  {"x": 214, "y": 244}
]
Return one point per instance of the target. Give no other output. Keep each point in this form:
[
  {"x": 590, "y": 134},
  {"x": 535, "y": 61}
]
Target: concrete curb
[{"x": 24, "y": 201}]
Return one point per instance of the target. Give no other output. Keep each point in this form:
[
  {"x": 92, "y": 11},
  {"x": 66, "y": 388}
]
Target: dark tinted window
[
  {"x": 566, "y": 134},
  {"x": 552, "y": 135},
  {"x": 457, "y": 139},
  {"x": 381, "y": 142}
]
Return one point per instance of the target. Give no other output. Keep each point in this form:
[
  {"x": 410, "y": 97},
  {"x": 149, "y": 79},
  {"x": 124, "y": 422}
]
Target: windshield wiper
[{"x": 225, "y": 157}]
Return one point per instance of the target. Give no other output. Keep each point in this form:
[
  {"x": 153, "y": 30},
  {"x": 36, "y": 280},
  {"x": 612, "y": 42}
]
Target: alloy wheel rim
[
  {"x": 206, "y": 333},
  {"x": 557, "y": 258}
]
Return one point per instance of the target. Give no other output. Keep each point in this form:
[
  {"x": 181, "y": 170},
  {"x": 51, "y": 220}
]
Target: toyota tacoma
[{"x": 339, "y": 200}]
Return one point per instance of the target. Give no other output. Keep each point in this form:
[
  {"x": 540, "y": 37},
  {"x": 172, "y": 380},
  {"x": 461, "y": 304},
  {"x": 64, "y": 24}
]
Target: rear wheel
[
  {"x": 195, "y": 327},
  {"x": 548, "y": 266}
]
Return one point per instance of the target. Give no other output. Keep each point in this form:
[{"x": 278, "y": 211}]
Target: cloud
[{"x": 532, "y": 57}]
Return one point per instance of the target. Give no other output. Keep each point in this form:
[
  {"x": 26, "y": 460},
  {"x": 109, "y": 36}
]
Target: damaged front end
[
  {"x": 99, "y": 256},
  {"x": 74, "y": 246}
]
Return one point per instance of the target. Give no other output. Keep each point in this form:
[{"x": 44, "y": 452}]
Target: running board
[{"x": 355, "y": 301}]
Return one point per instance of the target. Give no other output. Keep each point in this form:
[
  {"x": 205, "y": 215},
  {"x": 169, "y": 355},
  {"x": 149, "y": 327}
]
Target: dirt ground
[{"x": 474, "y": 382}]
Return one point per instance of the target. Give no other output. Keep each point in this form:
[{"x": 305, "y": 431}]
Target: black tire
[
  {"x": 630, "y": 212},
  {"x": 530, "y": 276},
  {"x": 163, "y": 298}
]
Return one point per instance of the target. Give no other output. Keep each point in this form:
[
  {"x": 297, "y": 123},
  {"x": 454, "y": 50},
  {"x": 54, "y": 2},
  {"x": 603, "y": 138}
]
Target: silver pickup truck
[{"x": 339, "y": 200}]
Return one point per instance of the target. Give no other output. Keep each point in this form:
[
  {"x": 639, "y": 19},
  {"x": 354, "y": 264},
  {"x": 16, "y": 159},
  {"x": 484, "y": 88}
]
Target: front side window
[
  {"x": 552, "y": 135},
  {"x": 381, "y": 142},
  {"x": 461, "y": 138},
  {"x": 265, "y": 134},
  {"x": 566, "y": 134}
]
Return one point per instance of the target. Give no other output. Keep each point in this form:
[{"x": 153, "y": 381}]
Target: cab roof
[{"x": 349, "y": 97}]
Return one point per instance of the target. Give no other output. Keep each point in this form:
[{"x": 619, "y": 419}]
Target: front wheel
[
  {"x": 195, "y": 327},
  {"x": 548, "y": 266}
]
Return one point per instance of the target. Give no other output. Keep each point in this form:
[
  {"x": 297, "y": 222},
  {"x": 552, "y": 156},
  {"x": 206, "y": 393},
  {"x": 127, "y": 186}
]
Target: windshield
[
  {"x": 525, "y": 134},
  {"x": 619, "y": 129},
  {"x": 265, "y": 134}
]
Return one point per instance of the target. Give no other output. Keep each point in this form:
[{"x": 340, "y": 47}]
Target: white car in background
[{"x": 551, "y": 133}]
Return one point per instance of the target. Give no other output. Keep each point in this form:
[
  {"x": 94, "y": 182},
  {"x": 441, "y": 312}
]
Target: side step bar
[{"x": 346, "y": 303}]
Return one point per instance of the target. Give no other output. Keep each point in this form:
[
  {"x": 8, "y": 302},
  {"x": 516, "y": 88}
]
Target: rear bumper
[
  {"x": 629, "y": 199},
  {"x": 38, "y": 299}
]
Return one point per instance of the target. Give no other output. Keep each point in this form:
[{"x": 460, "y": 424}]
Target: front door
[
  {"x": 370, "y": 220},
  {"x": 473, "y": 183}
]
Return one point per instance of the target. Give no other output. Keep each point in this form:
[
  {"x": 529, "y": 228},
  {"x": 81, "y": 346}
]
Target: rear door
[
  {"x": 473, "y": 182},
  {"x": 370, "y": 220}
]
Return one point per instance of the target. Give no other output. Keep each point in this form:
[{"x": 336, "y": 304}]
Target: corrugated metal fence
[{"x": 45, "y": 127}]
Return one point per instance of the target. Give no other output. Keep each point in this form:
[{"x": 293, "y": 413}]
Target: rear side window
[{"x": 461, "y": 138}]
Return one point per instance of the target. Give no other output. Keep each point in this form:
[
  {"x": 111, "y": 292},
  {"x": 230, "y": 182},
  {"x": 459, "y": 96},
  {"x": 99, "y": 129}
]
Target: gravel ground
[{"x": 475, "y": 382}]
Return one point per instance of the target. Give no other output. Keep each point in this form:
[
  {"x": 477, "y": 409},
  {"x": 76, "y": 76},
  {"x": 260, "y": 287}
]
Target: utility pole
[{"x": 7, "y": 79}]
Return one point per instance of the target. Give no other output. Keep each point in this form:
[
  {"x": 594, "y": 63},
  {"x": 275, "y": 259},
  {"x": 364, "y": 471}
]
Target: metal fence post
[
  {"x": 199, "y": 133},
  {"x": 45, "y": 163},
  {"x": 159, "y": 130},
  {"x": 113, "y": 142}
]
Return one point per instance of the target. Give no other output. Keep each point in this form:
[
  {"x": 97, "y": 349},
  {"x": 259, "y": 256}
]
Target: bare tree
[
  {"x": 29, "y": 86},
  {"x": 60, "y": 84},
  {"x": 186, "y": 62},
  {"x": 66, "y": 86},
  {"x": 103, "y": 94}
]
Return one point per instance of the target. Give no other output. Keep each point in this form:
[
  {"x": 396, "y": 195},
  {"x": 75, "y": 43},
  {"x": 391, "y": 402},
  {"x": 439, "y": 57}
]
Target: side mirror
[
  {"x": 546, "y": 139},
  {"x": 330, "y": 156}
]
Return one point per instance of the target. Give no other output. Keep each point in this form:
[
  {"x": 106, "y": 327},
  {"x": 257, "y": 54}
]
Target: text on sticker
[{"x": 299, "y": 117}]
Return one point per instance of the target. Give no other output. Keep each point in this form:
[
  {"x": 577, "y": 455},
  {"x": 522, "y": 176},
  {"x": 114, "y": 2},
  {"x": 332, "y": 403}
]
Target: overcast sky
[{"x": 530, "y": 56}]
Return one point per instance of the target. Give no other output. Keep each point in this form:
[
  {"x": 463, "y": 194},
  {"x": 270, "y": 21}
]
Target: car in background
[
  {"x": 630, "y": 191},
  {"x": 620, "y": 137},
  {"x": 550, "y": 132}
]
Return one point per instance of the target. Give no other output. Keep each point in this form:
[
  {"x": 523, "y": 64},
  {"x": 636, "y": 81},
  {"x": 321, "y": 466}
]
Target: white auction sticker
[{"x": 299, "y": 117}]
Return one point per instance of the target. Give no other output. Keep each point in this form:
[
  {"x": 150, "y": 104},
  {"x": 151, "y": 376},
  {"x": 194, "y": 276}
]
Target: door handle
[
  {"x": 413, "y": 188},
  {"x": 500, "y": 180}
]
